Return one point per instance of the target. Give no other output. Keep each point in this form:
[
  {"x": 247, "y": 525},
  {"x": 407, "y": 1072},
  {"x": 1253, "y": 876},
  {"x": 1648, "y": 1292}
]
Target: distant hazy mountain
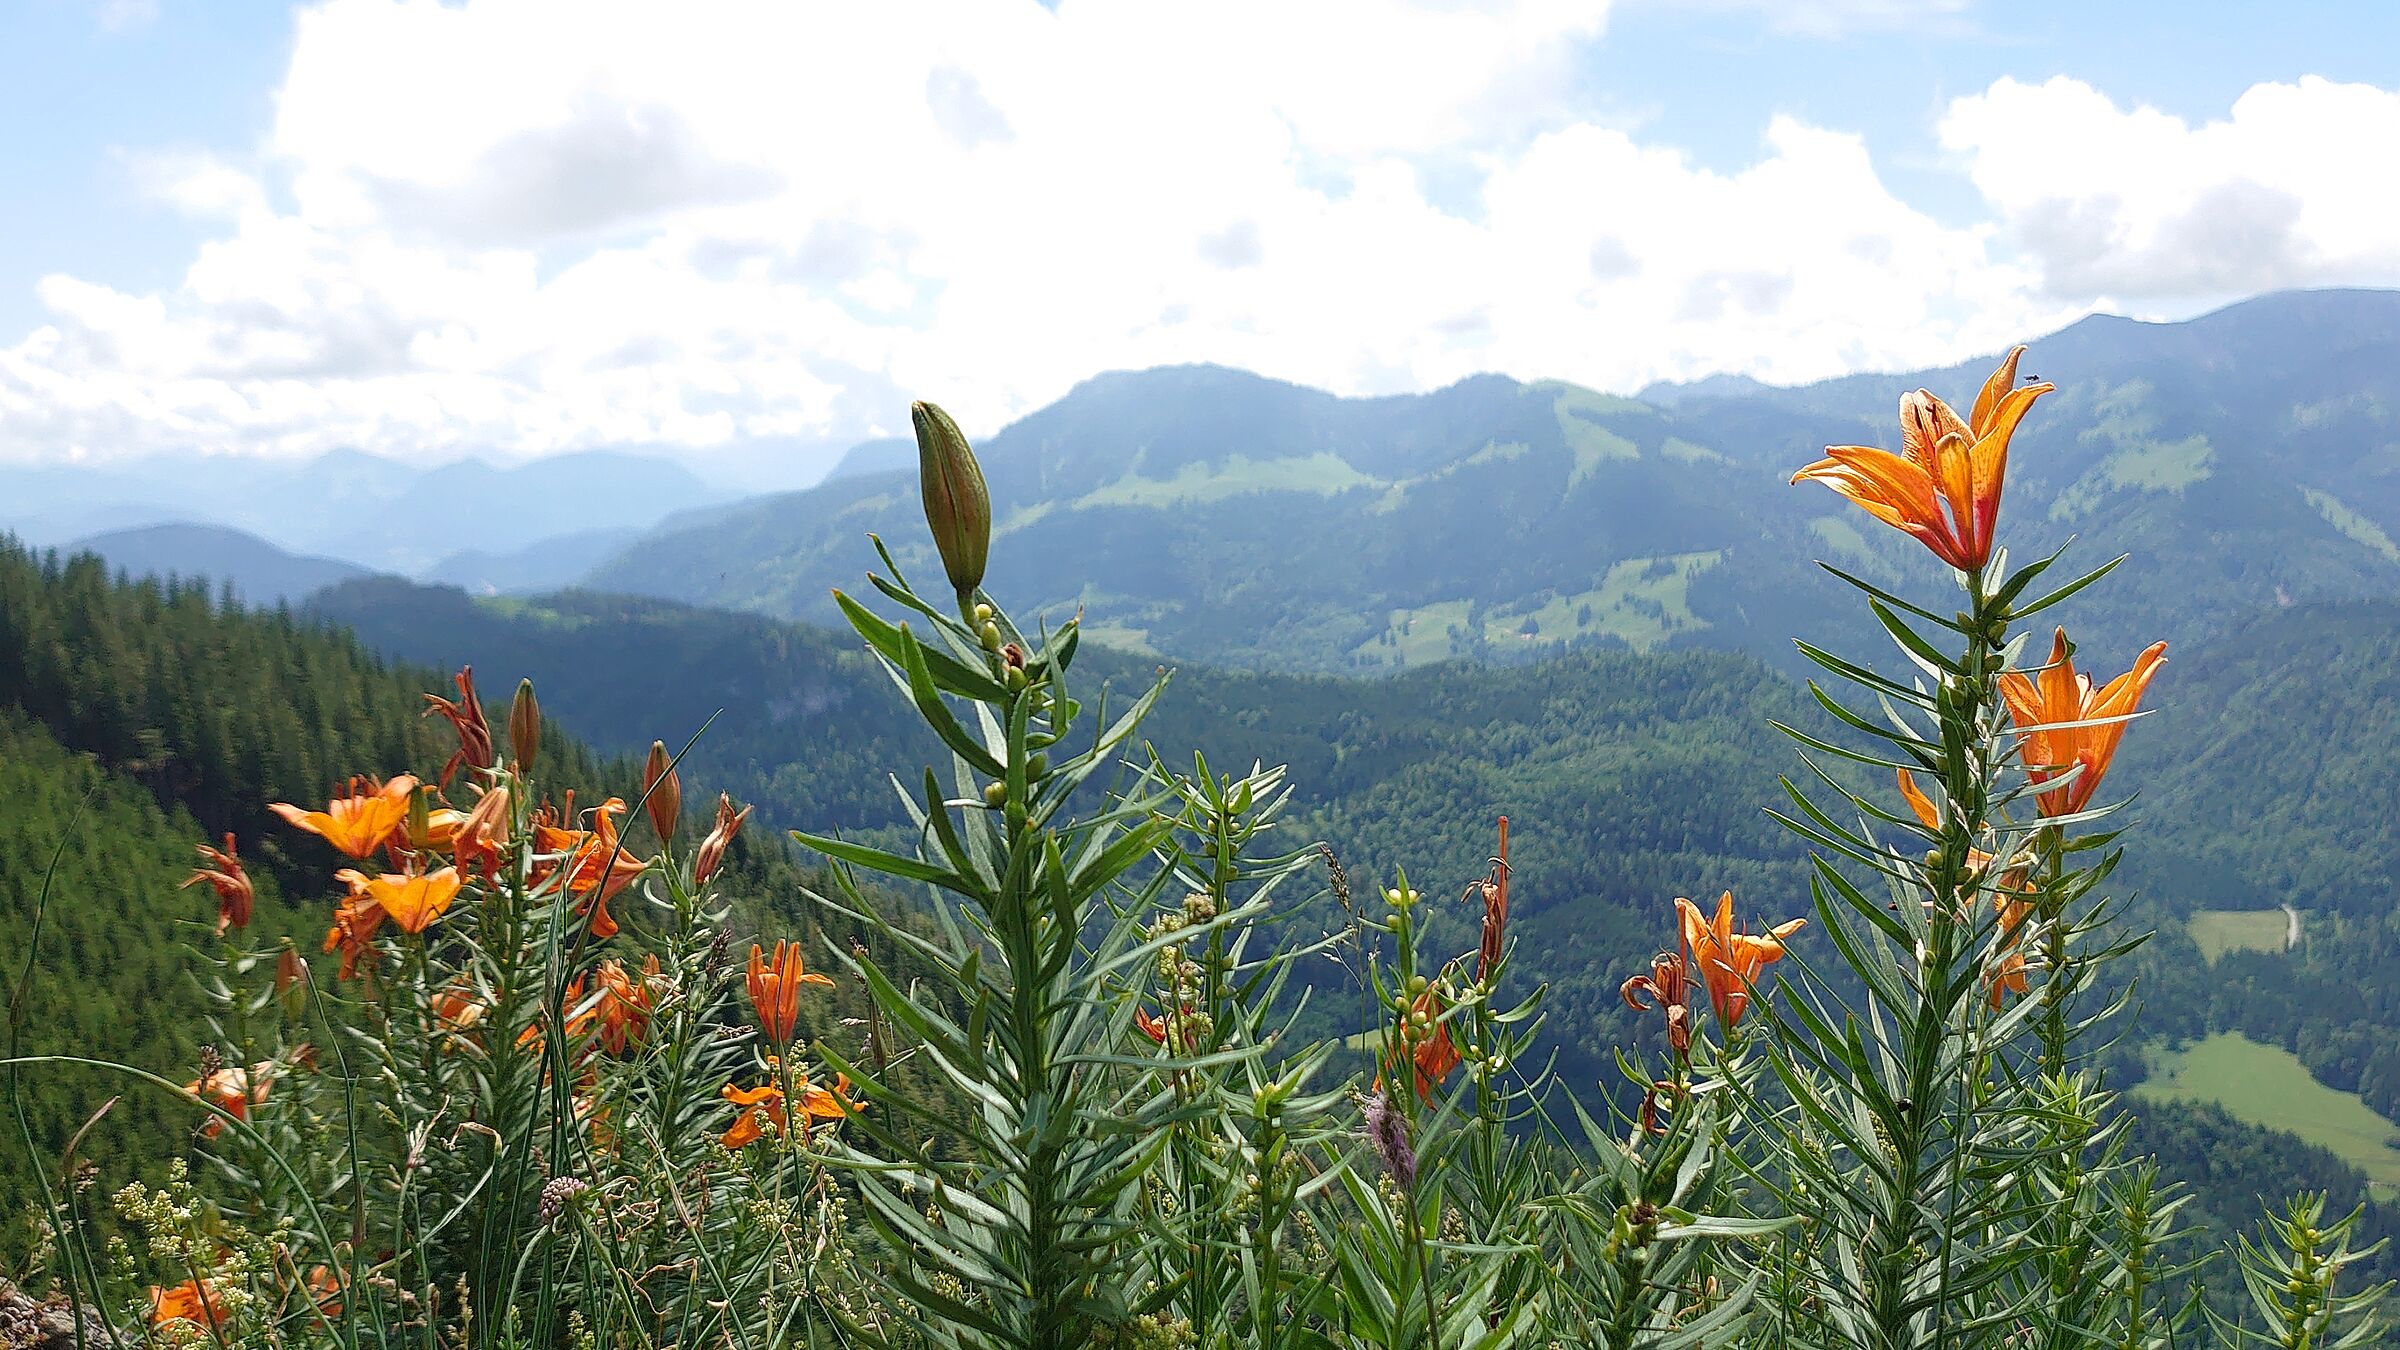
[
  {"x": 892, "y": 452},
  {"x": 2247, "y": 459},
  {"x": 381, "y": 513},
  {"x": 543, "y": 565},
  {"x": 259, "y": 572}
]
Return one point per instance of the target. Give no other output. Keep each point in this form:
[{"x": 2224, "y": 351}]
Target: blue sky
[{"x": 519, "y": 226}]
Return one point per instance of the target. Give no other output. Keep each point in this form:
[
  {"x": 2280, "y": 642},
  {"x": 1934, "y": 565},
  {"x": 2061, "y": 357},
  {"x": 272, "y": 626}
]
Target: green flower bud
[
  {"x": 989, "y": 635},
  {"x": 1036, "y": 766},
  {"x": 995, "y": 793},
  {"x": 524, "y": 726},
  {"x": 958, "y": 507}
]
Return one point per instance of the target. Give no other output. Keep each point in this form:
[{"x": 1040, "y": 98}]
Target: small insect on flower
[{"x": 221, "y": 869}]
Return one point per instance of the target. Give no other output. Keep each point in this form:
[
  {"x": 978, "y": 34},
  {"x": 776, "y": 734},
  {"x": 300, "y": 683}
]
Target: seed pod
[
  {"x": 524, "y": 727},
  {"x": 958, "y": 508},
  {"x": 664, "y": 793}
]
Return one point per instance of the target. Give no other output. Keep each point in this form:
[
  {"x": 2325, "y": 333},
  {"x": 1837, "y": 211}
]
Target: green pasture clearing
[
  {"x": 2267, "y": 1086},
  {"x": 1324, "y": 473},
  {"x": 2218, "y": 931}
]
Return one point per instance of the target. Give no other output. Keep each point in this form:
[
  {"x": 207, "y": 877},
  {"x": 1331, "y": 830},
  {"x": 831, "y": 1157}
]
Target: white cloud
[
  {"x": 533, "y": 225},
  {"x": 2139, "y": 206}
]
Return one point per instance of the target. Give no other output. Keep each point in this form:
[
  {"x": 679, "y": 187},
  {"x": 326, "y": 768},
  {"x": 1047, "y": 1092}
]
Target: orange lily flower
[
  {"x": 775, "y": 988},
  {"x": 222, "y": 870},
  {"x": 465, "y": 715},
  {"x": 764, "y": 1105},
  {"x": 355, "y": 920},
  {"x": 720, "y": 838},
  {"x": 234, "y": 1091},
  {"x": 1730, "y": 961},
  {"x": 414, "y": 902},
  {"x": 1944, "y": 463},
  {"x": 624, "y": 1008},
  {"x": 361, "y": 822},
  {"x": 2057, "y": 694},
  {"x": 190, "y": 1301},
  {"x": 596, "y": 865}
]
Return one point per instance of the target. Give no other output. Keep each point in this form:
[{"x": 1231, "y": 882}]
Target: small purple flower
[
  {"x": 556, "y": 1192},
  {"x": 1389, "y": 1129}
]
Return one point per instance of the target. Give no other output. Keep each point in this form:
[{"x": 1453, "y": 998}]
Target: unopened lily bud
[
  {"x": 663, "y": 795},
  {"x": 524, "y": 727},
  {"x": 958, "y": 508}
]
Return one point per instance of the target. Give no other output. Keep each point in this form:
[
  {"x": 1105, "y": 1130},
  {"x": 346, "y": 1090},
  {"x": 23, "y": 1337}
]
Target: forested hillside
[{"x": 139, "y": 719}]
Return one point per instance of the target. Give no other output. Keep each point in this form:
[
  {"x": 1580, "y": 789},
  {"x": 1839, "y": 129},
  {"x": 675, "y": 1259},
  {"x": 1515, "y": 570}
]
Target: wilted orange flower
[
  {"x": 190, "y": 1301},
  {"x": 775, "y": 988},
  {"x": 222, "y": 870},
  {"x": 624, "y": 1008},
  {"x": 355, "y": 920},
  {"x": 1493, "y": 891},
  {"x": 1729, "y": 961},
  {"x": 1150, "y": 1025},
  {"x": 414, "y": 902},
  {"x": 2057, "y": 694},
  {"x": 720, "y": 838},
  {"x": 466, "y": 718},
  {"x": 291, "y": 970},
  {"x": 361, "y": 822},
  {"x": 764, "y": 1105},
  {"x": 475, "y": 844},
  {"x": 325, "y": 1289},
  {"x": 1434, "y": 1056},
  {"x": 233, "y": 1090},
  {"x": 1944, "y": 462},
  {"x": 597, "y": 866},
  {"x": 456, "y": 1007}
]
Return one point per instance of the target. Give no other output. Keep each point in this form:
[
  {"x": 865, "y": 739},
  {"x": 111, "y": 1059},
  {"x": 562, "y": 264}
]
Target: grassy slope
[{"x": 2263, "y": 1085}]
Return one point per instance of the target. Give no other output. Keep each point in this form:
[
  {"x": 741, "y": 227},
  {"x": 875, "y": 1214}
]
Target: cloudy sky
[{"x": 748, "y": 233}]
